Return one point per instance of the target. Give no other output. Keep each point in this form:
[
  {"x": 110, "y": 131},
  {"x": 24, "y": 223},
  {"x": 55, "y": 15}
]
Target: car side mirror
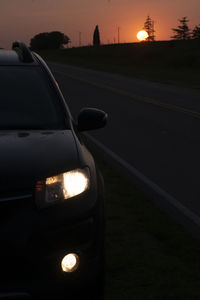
[{"x": 91, "y": 118}]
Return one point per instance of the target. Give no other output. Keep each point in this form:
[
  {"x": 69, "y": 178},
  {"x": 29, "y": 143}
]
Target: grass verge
[
  {"x": 172, "y": 62},
  {"x": 148, "y": 255}
]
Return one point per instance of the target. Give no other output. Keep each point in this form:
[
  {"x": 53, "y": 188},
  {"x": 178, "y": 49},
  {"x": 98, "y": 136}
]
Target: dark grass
[
  {"x": 148, "y": 255},
  {"x": 174, "y": 62}
]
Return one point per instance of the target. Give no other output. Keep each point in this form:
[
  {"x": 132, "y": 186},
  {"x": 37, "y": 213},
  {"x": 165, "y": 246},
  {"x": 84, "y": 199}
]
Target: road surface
[{"x": 153, "y": 127}]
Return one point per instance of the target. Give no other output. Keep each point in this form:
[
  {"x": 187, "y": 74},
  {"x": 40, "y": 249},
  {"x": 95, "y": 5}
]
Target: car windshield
[{"x": 27, "y": 100}]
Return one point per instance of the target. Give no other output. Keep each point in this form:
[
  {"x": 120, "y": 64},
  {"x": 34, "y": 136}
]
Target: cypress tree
[{"x": 96, "y": 37}]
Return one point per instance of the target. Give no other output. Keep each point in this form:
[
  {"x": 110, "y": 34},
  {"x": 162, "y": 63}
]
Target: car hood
[{"x": 32, "y": 155}]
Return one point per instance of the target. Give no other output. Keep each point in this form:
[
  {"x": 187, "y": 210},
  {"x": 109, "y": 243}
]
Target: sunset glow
[
  {"x": 117, "y": 19},
  {"x": 142, "y": 35}
]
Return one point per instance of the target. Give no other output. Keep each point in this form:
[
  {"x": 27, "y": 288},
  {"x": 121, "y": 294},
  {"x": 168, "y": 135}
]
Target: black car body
[{"x": 39, "y": 142}]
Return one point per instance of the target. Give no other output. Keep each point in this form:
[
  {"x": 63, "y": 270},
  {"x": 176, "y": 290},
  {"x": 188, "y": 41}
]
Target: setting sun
[{"x": 142, "y": 35}]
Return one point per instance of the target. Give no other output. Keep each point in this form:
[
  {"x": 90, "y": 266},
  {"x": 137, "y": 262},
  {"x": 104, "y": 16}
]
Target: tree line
[
  {"x": 57, "y": 39},
  {"x": 183, "y": 32}
]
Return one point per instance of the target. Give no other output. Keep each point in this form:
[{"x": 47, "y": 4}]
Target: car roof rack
[{"x": 23, "y": 51}]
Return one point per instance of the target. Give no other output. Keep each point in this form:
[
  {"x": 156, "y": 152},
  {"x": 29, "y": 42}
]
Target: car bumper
[{"x": 33, "y": 244}]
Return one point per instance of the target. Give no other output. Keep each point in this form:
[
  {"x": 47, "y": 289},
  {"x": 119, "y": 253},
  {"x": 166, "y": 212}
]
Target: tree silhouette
[
  {"x": 149, "y": 28},
  {"x": 196, "y": 32},
  {"x": 57, "y": 39},
  {"x": 182, "y": 32},
  {"x": 49, "y": 40},
  {"x": 96, "y": 37}
]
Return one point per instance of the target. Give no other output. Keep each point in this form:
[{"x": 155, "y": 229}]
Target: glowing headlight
[
  {"x": 62, "y": 186},
  {"x": 75, "y": 183},
  {"x": 70, "y": 262}
]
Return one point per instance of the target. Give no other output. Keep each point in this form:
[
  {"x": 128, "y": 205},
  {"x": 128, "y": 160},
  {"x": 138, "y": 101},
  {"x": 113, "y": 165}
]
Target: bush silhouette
[{"x": 49, "y": 40}]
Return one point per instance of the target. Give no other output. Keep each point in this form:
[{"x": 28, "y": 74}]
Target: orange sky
[{"x": 22, "y": 19}]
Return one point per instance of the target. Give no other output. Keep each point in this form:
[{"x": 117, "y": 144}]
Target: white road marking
[{"x": 170, "y": 199}]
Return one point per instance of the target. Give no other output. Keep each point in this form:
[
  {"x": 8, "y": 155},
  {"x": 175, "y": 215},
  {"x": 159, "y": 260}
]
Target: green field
[
  {"x": 148, "y": 255},
  {"x": 174, "y": 62}
]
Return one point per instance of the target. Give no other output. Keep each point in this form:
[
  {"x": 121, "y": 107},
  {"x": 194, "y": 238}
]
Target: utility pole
[
  {"x": 118, "y": 29},
  {"x": 68, "y": 45},
  {"x": 79, "y": 36}
]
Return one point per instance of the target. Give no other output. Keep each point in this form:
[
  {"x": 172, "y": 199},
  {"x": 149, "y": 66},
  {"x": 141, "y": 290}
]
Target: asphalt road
[{"x": 153, "y": 127}]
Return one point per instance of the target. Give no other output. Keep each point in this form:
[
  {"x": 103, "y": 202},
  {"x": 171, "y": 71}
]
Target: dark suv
[{"x": 51, "y": 192}]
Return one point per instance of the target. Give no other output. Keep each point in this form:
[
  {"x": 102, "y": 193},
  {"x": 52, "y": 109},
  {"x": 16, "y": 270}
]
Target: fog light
[{"x": 70, "y": 262}]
